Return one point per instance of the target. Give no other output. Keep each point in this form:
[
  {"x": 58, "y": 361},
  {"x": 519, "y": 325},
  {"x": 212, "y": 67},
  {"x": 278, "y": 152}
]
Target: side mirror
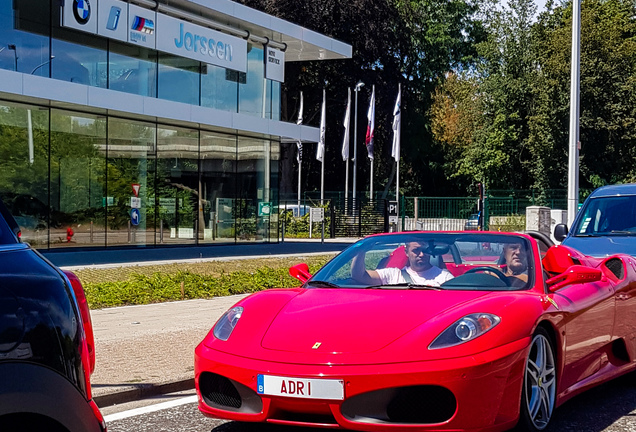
[
  {"x": 575, "y": 274},
  {"x": 300, "y": 272},
  {"x": 560, "y": 232}
]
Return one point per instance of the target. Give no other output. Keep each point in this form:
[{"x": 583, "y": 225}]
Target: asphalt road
[{"x": 609, "y": 408}]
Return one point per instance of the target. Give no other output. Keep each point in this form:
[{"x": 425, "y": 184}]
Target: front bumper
[{"x": 480, "y": 392}]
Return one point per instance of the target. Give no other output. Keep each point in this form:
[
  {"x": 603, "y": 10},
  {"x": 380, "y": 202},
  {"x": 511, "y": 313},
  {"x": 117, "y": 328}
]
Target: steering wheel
[{"x": 495, "y": 271}]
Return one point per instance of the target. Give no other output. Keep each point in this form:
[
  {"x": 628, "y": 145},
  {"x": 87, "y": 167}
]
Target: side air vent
[{"x": 615, "y": 265}]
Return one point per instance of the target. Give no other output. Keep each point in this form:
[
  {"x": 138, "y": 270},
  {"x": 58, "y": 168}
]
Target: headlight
[
  {"x": 225, "y": 325},
  {"x": 466, "y": 329}
]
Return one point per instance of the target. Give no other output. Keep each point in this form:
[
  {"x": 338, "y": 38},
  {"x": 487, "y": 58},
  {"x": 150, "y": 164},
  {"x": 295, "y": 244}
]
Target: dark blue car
[
  {"x": 46, "y": 342},
  {"x": 606, "y": 223}
]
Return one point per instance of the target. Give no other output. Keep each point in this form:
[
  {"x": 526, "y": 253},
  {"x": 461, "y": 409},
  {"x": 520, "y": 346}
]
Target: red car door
[
  {"x": 625, "y": 325},
  {"x": 589, "y": 310}
]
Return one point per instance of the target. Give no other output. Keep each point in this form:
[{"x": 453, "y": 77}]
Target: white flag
[
  {"x": 397, "y": 122},
  {"x": 300, "y": 111},
  {"x": 320, "y": 150},
  {"x": 347, "y": 121},
  {"x": 371, "y": 125},
  {"x": 299, "y": 155}
]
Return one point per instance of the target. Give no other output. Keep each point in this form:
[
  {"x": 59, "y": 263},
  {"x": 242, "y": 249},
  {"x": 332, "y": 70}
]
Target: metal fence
[
  {"x": 503, "y": 210},
  {"x": 343, "y": 218}
]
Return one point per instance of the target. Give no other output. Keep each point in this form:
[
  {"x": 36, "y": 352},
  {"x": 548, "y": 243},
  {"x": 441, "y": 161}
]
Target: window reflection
[
  {"x": 274, "y": 156},
  {"x": 24, "y": 31},
  {"x": 253, "y": 186},
  {"x": 219, "y": 88},
  {"x": 78, "y": 162},
  {"x": 131, "y": 161},
  {"x": 177, "y": 186},
  {"x": 81, "y": 61},
  {"x": 132, "y": 69},
  {"x": 24, "y": 169},
  {"x": 218, "y": 188},
  {"x": 251, "y": 92},
  {"x": 178, "y": 79},
  {"x": 273, "y": 100}
]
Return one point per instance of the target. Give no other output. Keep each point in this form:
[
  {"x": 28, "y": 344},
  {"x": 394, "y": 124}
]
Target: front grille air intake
[
  {"x": 218, "y": 390},
  {"x": 423, "y": 404}
]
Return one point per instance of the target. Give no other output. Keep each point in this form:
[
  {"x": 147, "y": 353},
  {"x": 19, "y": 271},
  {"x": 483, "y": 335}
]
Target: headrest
[
  {"x": 397, "y": 258},
  {"x": 558, "y": 259}
]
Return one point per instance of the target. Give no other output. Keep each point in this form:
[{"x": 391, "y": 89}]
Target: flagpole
[
  {"x": 370, "y": 138},
  {"x": 299, "y": 177},
  {"x": 395, "y": 151},
  {"x": 346, "y": 144},
  {"x": 371, "y": 182},
  {"x": 323, "y": 134},
  {"x": 300, "y": 156},
  {"x": 397, "y": 191},
  {"x": 397, "y": 181},
  {"x": 346, "y": 185},
  {"x": 359, "y": 85}
]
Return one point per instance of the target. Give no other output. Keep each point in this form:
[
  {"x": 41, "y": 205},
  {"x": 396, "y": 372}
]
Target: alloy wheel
[{"x": 540, "y": 382}]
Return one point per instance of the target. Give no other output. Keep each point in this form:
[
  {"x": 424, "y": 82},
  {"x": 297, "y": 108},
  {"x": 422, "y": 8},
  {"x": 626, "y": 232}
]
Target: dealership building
[{"x": 146, "y": 123}]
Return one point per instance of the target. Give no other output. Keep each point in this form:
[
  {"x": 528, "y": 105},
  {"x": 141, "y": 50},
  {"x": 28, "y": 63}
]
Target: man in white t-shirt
[{"x": 419, "y": 269}]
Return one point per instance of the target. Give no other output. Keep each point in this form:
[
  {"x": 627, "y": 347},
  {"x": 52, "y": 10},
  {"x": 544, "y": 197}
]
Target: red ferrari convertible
[{"x": 425, "y": 331}]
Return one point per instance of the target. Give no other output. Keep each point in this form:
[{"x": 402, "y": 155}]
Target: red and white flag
[
  {"x": 299, "y": 155},
  {"x": 371, "y": 125},
  {"x": 347, "y": 120}
]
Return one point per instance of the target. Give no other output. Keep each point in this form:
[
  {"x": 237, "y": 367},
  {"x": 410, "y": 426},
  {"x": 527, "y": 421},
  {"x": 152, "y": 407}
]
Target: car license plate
[{"x": 301, "y": 387}]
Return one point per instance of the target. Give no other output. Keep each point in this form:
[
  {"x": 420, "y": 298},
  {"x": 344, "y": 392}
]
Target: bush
[{"x": 161, "y": 286}]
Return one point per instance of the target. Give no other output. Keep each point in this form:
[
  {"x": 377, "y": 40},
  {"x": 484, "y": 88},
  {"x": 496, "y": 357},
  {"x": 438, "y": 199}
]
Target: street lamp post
[
  {"x": 574, "y": 144},
  {"x": 359, "y": 85},
  {"x": 42, "y": 64},
  {"x": 13, "y": 48}
]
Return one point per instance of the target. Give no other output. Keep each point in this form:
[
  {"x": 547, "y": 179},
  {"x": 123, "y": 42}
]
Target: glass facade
[
  {"x": 76, "y": 179},
  {"x": 33, "y": 42}
]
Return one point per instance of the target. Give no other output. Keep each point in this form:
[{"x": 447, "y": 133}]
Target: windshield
[
  {"x": 459, "y": 261},
  {"x": 607, "y": 216}
]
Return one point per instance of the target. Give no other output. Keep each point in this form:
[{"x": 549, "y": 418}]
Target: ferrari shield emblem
[
  {"x": 551, "y": 300},
  {"x": 316, "y": 345}
]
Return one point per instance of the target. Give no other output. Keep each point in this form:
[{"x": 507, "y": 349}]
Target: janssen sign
[
  {"x": 200, "y": 43},
  {"x": 139, "y": 26}
]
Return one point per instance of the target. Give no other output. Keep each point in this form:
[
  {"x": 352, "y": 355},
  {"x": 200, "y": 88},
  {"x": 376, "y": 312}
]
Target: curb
[{"x": 142, "y": 391}]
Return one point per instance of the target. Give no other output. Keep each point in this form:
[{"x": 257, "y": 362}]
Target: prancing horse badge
[{"x": 316, "y": 345}]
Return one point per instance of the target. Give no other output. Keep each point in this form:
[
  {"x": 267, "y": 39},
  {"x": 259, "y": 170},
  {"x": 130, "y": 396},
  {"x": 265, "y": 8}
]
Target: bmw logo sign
[{"x": 82, "y": 11}]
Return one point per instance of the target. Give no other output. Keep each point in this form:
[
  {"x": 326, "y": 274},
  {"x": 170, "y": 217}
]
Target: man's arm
[{"x": 360, "y": 273}]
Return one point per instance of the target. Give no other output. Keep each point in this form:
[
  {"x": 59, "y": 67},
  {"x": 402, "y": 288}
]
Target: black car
[{"x": 46, "y": 342}]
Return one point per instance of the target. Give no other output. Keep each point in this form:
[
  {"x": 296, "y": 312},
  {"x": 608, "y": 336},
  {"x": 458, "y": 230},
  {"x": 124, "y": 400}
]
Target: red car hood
[{"x": 354, "y": 321}]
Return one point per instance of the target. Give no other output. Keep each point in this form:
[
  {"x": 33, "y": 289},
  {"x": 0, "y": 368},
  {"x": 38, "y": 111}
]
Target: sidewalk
[{"x": 147, "y": 350}]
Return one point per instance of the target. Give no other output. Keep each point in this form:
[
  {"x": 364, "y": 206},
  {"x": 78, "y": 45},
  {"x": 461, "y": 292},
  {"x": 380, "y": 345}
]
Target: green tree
[
  {"x": 414, "y": 43},
  {"x": 607, "y": 94}
]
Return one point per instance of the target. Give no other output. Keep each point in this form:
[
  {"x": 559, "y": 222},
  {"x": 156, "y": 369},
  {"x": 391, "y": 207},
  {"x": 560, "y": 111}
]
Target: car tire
[{"x": 538, "y": 392}]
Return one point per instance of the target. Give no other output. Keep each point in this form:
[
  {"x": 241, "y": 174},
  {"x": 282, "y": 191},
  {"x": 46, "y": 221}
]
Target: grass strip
[{"x": 138, "y": 285}]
